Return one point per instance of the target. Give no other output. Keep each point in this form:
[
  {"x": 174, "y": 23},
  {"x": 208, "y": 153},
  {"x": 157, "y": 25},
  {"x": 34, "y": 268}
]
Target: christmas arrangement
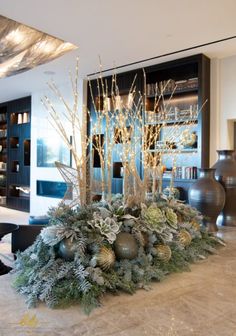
[
  {"x": 88, "y": 251},
  {"x": 123, "y": 242}
]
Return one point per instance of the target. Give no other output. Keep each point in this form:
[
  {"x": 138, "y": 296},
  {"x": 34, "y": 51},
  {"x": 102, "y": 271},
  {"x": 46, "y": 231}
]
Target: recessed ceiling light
[
  {"x": 23, "y": 48},
  {"x": 49, "y": 73}
]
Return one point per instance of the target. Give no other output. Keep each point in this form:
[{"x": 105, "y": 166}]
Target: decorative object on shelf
[
  {"x": 19, "y": 118},
  {"x": 2, "y": 180},
  {"x": 226, "y": 174},
  {"x": 208, "y": 196},
  {"x": 106, "y": 258},
  {"x": 25, "y": 117},
  {"x": 125, "y": 246},
  {"x": 188, "y": 139},
  {"x": 67, "y": 249}
]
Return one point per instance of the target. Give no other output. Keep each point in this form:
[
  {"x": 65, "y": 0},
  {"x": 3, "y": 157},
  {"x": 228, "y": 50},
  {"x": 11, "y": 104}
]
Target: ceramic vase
[
  {"x": 226, "y": 175},
  {"x": 208, "y": 196}
]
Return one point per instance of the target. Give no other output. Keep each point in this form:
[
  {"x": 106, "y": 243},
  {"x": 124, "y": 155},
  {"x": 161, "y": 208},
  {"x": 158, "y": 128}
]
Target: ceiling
[{"x": 120, "y": 32}]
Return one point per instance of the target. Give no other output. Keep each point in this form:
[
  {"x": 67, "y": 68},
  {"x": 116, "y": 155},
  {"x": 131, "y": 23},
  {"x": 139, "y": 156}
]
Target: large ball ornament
[
  {"x": 125, "y": 246},
  {"x": 163, "y": 252},
  {"x": 185, "y": 238},
  {"x": 106, "y": 258},
  {"x": 67, "y": 249}
]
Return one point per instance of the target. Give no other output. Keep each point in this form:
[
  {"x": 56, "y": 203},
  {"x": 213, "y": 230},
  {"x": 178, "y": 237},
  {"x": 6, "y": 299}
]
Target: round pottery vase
[
  {"x": 208, "y": 196},
  {"x": 226, "y": 175}
]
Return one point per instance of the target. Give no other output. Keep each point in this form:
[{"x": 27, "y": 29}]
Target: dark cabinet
[{"x": 16, "y": 146}]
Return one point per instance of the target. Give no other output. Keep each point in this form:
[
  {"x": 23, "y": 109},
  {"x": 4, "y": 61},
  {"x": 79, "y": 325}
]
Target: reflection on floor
[
  {"x": 13, "y": 216},
  {"x": 196, "y": 303}
]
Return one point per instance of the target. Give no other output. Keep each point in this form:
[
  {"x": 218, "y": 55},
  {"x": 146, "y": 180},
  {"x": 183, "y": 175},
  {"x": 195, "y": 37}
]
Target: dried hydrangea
[
  {"x": 52, "y": 235},
  {"x": 108, "y": 227}
]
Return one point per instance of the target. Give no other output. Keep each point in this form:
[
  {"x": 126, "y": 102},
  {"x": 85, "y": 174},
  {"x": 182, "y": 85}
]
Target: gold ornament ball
[
  {"x": 125, "y": 246},
  {"x": 106, "y": 258},
  {"x": 185, "y": 238},
  {"x": 163, "y": 252}
]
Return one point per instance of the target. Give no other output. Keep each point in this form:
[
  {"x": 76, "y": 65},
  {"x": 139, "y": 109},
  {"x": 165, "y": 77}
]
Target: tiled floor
[{"x": 197, "y": 303}]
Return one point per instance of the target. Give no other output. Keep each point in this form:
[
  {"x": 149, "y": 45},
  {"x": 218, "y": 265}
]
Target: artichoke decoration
[{"x": 154, "y": 218}]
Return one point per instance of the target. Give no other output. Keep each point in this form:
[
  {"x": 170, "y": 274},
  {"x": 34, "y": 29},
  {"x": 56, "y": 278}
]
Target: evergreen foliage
[{"x": 42, "y": 274}]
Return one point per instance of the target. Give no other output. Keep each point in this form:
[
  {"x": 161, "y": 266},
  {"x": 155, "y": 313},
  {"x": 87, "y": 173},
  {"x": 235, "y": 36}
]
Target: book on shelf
[
  {"x": 169, "y": 86},
  {"x": 186, "y": 172},
  {"x": 183, "y": 172}
]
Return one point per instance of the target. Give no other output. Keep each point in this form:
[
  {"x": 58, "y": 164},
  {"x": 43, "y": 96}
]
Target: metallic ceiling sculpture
[{"x": 23, "y": 48}]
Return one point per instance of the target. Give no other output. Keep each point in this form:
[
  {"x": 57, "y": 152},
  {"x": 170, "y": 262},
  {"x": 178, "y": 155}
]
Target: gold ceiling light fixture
[{"x": 23, "y": 48}]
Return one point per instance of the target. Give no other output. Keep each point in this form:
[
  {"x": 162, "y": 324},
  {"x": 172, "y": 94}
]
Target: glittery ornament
[
  {"x": 185, "y": 238},
  {"x": 163, "y": 252},
  {"x": 106, "y": 258}
]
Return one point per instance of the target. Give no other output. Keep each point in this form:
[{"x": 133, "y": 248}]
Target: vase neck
[
  {"x": 207, "y": 172},
  {"x": 225, "y": 154}
]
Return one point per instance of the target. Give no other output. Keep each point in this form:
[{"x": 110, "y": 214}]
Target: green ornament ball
[
  {"x": 67, "y": 249},
  {"x": 125, "y": 246}
]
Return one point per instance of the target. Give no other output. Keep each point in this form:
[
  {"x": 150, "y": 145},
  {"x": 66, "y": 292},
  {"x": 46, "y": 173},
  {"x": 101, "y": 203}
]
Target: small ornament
[
  {"x": 163, "y": 252},
  {"x": 125, "y": 246},
  {"x": 67, "y": 249},
  {"x": 106, "y": 258},
  {"x": 185, "y": 238},
  {"x": 195, "y": 225}
]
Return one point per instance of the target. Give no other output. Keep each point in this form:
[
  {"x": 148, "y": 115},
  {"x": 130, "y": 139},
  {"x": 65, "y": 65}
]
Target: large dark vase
[
  {"x": 208, "y": 196},
  {"x": 226, "y": 175}
]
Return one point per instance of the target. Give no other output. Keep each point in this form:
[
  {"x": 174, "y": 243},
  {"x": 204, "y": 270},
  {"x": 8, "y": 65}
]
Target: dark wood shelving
[
  {"x": 193, "y": 70},
  {"x": 17, "y": 146}
]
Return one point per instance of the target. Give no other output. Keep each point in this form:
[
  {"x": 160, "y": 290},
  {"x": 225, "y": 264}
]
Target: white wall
[
  {"x": 41, "y": 127},
  {"x": 223, "y": 104}
]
